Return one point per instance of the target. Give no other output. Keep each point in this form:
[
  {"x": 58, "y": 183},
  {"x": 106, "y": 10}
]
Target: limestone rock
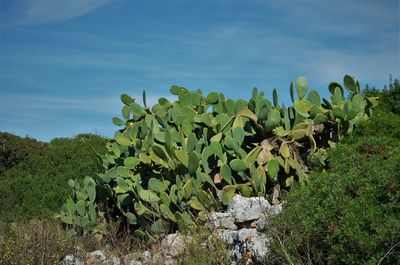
[
  {"x": 247, "y": 244},
  {"x": 247, "y": 209},
  {"x": 172, "y": 246},
  {"x": 219, "y": 220},
  {"x": 275, "y": 210},
  {"x": 72, "y": 260}
]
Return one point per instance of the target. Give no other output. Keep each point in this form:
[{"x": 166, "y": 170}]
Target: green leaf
[
  {"x": 238, "y": 165},
  {"x": 358, "y": 102},
  {"x": 126, "y": 112},
  {"x": 314, "y": 97},
  {"x": 176, "y": 90},
  {"x": 193, "y": 163},
  {"x": 155, "y": 184},
  {"x": 260, "y": 179},
  {"x": 204, "y": 198},
  {"x": 123, "y": 171},
  {"x": 148, "y": 196},
  {"x": 275, "y": 98},
  {"x": 80, "y": 207},
  {"x": 118, "y": 121},
  {"x": 284, "y": 150},
  {"x": 212, "y": 98},
  {"x": 302, "y": 107},
  {"x": 226, "y": 173},
  {"x": 137, "y": 109},
  {"x": 131, "y": 162},
  {"x": 273, "y": 120},
  {"x": 91, "y": 190},
  {"x": 131, "y": 218},
  {"x": 291, "y": 91},
  {"x": 349, "y": 84},
  {"x": 217, "y": 149},
  {"x": 187, "y": 189},
  {"x": 126, "y": 99},
  {"x": 238, "y": 134},
  {"x": 122, "y": 140},
  {"x": 228, "y": 192},
  {"x": 244, "y": 190},
  {"x": 196, "y": 204},
  {"x": 187, "y": 127},
  {"x": 182, "y": 157},
  {"x": 70, "y": 206},
  {"x": 251, "y": 157},
  {"x": 166, "y": 211},
  {"x": 301, "y": 86},
  {"x": 273, "y": 169}
]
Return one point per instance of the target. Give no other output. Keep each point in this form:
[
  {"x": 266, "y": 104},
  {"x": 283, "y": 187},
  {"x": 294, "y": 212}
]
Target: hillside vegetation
[{"x": 169, "y": 165}]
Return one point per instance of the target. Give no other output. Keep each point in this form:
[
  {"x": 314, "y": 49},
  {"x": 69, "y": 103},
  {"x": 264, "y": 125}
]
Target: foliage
[
  {"x": 350, "y": 214},
  {"x": 205, "y": 248},
  {"x": 14, "y": 150},
  {"x": 36, "y": 242},
  {"x": 36, "y": 186},
  {"x": 389, "y": 98},
  {"x": 178, "y": 160}
]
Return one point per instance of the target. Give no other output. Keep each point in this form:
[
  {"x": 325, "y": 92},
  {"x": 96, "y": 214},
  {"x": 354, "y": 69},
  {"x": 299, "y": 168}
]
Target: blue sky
[{"x": 64, "y": 63}]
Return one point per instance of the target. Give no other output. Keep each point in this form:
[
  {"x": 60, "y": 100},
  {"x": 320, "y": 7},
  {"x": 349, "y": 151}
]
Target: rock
[
  {"x": 275, "y": 210},
  {"x": 247, "y": 244},
  {"x": 221, "y": 220},
  {"x": 72, "y": 260},
  {"x": 228, "y": 236},
  {"x": 261, "y": 224},
  {"x": 247, "y": 209},
  {"x": 96, "y": 257},
  {"x": 172, "y": 246}
]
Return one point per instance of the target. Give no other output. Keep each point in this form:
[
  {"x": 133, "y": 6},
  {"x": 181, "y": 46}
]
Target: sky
[{"x": 64, "y": 63}]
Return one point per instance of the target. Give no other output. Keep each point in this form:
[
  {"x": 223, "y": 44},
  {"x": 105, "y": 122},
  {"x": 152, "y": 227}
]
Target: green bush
[
  {"x": 37, "y": 185},
  {"x": 14, "y": 150},
  {"x": 349, "y": 214}
]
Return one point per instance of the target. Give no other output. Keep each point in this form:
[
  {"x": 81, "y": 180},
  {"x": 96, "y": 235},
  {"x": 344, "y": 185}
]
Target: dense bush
[
  {"x": 389, "y": 97},
  {"x": 14, "y": 150},
  {"x": 36, "y": 185},
  {"x": 349, "y": 214}
]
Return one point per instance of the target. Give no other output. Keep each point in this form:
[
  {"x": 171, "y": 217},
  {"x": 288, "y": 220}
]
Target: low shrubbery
[
  {"x": 349, "y": 214},
  {"x": 35, "y": 182}
]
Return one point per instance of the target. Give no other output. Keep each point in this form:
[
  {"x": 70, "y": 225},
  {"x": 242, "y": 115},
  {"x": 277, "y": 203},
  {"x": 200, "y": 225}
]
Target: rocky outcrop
[{"x": 242, "y": 227}]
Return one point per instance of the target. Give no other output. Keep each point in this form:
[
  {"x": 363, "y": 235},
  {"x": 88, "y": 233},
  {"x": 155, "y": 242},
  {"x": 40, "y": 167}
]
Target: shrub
[
  {"x": 179, "y": 160},
  {"x": 14, "y": 150},
  {"x": 36, "y": 187},
  {"x": 349, "y": 214}
]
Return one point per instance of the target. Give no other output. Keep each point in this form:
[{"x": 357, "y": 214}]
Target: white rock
[
  {"x": 244, "y": 241},
  {"x": 275, "y": 210},
  {"x": 72, "y": 260},
  {"x": 172, "y": 246},
  {"x": 247, "y": 209},
  {"x": 221, "y": 220}
]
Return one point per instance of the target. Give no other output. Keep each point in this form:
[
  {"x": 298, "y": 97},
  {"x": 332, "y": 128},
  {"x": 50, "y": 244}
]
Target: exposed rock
[
  {"x": 132, "y": 259},
  {"x": 246, "y": 244},
  {"x": 95, "y": 257},
  {"x": 248, "y": 209},
  {"x": 72, "y": 260},
  {"x": 261, "y": 224},
  {"x": 219, "y": 220},
  {"x": 172, "y": 246},
  {"x": 275, "y": 210}
]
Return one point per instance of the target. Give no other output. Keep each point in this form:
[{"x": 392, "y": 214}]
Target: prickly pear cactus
[{"x": 170, "y": 164}]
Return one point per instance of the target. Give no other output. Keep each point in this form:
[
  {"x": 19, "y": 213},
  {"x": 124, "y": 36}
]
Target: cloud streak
[{"x": 29, "y": 12}]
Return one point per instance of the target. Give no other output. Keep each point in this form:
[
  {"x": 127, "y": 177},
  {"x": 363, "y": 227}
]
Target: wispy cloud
[{"x": 40, "y": 11}]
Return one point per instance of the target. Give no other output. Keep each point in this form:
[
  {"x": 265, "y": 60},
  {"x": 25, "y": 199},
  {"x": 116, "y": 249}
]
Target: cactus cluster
[{"x": 172, "y": 163}]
